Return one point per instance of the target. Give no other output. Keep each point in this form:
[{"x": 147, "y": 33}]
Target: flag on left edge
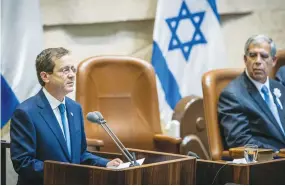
[{"x": 22, "y": 40}]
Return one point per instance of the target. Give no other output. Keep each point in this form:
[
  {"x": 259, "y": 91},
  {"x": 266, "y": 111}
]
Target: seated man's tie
[{"x": 272, "y": 106}]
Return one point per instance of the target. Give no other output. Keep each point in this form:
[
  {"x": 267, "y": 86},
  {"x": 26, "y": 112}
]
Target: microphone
[
  {"x": 96, "y": 117},
  {"x": 193, "y": 154},
  {"x": 194, "y": 139},
  {"x": 92, "y": 117}
]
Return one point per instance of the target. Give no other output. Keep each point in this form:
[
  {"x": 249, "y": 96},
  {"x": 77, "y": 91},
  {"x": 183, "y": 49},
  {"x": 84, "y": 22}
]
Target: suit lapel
[
  {"x": 282, "y": 117},
  {"x": 49, "y": 117},
  {"x": 280, "y": 111},
  {"x": 70, "y": 116},
  {"x": 254, "y": 93}
]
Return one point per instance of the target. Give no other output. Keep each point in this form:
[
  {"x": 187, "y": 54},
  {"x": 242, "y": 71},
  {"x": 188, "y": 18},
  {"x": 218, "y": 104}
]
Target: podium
[{"x": 158, "y": 168}]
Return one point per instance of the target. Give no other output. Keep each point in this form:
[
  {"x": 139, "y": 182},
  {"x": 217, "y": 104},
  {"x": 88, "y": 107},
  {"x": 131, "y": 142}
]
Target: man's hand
[{"x": 114, "y": 163}]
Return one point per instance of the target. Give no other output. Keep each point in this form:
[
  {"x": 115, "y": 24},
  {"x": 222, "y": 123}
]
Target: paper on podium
[
  {"x": 240, "y": 161},
  {"x": 127, "y": 164}
]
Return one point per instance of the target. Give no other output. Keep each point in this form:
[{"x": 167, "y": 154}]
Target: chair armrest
[
  {"x": 189, "y": 111},
  {"x": 281, "y": 153},
  {"x": 94, "y": 144},
  {"x": 226, "y": 154},
  {"x": 166, "y": 143},
  {"x": 168, "y": 139}
]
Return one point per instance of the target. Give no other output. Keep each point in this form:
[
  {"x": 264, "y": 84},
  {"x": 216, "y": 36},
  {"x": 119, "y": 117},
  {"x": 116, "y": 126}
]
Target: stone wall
[{"x": 125, "y": 27}]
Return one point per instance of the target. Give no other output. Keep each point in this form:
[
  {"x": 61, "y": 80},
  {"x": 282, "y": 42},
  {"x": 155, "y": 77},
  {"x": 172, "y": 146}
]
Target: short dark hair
[{"x": 45, "y": 60}]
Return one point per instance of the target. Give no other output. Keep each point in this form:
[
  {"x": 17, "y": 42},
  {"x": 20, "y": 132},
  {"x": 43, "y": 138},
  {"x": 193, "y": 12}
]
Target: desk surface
[
  {"x": 238, "y": 152},
  {"x": 270, "y": 172}
]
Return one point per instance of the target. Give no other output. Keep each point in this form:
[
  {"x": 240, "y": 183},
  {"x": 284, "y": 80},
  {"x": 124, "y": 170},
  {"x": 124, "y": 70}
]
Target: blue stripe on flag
[
  {"x": 9, "y": 102},
  {"x": 167, "y": 80},
  {"x": 213, "y": 5}
]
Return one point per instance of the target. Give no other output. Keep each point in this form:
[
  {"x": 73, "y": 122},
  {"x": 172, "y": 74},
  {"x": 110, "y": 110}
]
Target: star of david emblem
[{"x": 197, "y": 38}]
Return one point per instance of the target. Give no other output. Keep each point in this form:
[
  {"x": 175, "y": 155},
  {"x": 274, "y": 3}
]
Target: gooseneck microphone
[
  {"x": 96, "y": 117},
  {"x": 193, "y": 154}
]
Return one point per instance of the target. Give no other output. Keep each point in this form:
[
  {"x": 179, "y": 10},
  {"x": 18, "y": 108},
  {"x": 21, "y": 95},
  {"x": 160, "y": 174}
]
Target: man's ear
[
  {"x": 45, "y": 77},
  {"x": 244, "y": 59}
]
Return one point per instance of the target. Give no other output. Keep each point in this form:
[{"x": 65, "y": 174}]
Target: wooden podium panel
[
  {"x": 158, "y": 168},
  {"x": 264, "y": 173}
]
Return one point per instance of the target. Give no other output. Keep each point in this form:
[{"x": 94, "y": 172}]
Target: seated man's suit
[{"x": 245, "y": 118}]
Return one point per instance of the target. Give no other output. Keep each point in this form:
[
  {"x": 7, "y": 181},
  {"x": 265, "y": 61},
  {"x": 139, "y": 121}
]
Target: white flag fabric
[
  {"x": 21, "y": 41},
  {"x": 188, "y": 42}
]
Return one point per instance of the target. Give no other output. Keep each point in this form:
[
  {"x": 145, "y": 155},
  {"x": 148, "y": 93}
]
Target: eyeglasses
[{"x": 67, "y": 69}]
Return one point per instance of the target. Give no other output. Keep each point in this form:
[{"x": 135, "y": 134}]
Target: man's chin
[
  {"x": 69, "y": 90},
  {"x": 259, "y": 78}
]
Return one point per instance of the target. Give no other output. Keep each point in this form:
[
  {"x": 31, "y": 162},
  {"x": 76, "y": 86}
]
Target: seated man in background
[
  {"x": 280, "y": 75},
  {"x": 251, "y": 108},
  {"x": 49, "y": 125}
]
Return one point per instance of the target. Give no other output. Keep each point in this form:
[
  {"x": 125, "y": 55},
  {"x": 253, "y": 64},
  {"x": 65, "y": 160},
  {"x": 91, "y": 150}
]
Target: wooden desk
[
  {"x": 4, "y": 145},
  {"x": 158, "y": 169},
  {"x": 271, "y": 172}
]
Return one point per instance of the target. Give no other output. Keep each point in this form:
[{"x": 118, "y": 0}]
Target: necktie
[
  {"x": 61, "y": 108},
  {"x": 265, "y": 92},
  {"x": 271, "y": 104}
]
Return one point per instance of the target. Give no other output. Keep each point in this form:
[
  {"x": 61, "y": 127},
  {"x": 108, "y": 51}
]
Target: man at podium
[{"x": 49, "y": 125}]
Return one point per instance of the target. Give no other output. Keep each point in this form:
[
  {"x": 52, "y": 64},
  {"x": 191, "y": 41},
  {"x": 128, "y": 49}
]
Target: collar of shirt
[
  {"x": 54, "y": 103},
  {"x": 257, "y": 84}
]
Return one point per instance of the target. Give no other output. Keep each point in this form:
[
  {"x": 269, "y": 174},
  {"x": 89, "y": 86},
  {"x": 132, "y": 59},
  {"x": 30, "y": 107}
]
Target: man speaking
[{"x": 49, "y": 125}]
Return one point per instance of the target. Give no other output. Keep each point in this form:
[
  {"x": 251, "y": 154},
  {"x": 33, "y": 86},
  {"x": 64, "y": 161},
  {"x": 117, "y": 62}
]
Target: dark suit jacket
[
  {"x": 280, "y": 75},
  {"x": 245, "y": 117},
  {"x": 36, "y": 136}
]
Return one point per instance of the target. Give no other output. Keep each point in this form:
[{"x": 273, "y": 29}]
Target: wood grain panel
[{"x": 159, "y": 168}]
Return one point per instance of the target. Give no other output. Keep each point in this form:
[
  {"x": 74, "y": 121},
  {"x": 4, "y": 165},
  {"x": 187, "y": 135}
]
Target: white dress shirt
[
  {"x": 259, "y": 86},
  {"x": 54, "y": 103},
  {"x": 273, "y": 106}
]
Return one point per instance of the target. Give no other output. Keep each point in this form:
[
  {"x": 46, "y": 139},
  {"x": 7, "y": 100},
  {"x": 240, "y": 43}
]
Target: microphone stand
[{"x": 131, "y": 158}]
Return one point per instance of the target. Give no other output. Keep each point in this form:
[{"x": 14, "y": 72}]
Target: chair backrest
[
  {"x": 213, "y": 82},
  {"x": 280, "y": 62},
  {"x": 124, "y": 90}
]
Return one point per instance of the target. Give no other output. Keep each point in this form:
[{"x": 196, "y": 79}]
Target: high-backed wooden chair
[
  {"x": 213, "y": 82},
  {"x": 280, "y": 62},
  {"x": 124, "y": 90}
]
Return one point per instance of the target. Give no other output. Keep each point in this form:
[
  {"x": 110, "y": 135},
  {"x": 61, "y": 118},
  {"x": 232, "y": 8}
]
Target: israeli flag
[
  {"x": 188, "y": 42},
  {"x": 22, "y": 40}
]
